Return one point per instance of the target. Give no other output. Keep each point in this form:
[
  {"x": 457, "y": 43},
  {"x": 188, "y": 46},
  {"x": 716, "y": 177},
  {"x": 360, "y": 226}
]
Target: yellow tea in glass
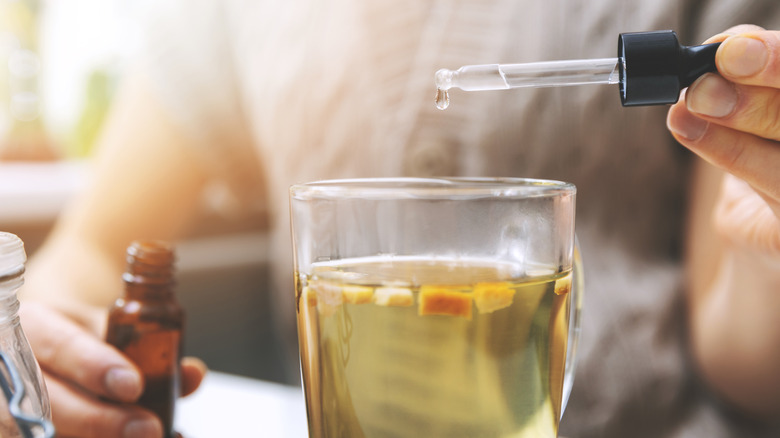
[{"x": 410, "y": 325}]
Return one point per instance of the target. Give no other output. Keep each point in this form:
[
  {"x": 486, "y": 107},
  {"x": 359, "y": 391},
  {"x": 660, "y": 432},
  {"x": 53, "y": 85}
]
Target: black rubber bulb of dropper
[{"x": 654, "y": 67}]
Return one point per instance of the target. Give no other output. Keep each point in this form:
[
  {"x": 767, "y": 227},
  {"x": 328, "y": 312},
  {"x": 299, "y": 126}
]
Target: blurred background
[{"x": 60, "y": 64}]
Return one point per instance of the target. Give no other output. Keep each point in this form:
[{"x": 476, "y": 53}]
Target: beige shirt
[{"x": 282, "y": 92}]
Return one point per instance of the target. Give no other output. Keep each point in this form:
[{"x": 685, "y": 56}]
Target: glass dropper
[
  {"x": 651, "y": 69},
  {"x": 533, "y": 74}
]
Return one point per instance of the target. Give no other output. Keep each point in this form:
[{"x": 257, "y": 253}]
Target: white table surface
[
  {"x": 226, "y": 405},
  {"x": 232, "y": 406}
]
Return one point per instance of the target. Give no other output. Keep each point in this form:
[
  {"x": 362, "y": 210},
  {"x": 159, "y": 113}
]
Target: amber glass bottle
[{"x": 147, "y": 325}]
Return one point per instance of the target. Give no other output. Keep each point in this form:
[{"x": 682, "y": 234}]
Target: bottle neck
[
  {"x": 9, "y": 304},
  {"x": 143, "y": 290},
  {"x": 149, "y": 274}
]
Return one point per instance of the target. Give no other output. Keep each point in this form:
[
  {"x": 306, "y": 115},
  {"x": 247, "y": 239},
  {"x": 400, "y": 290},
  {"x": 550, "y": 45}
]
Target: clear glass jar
[{"x": 24, "y": 409}]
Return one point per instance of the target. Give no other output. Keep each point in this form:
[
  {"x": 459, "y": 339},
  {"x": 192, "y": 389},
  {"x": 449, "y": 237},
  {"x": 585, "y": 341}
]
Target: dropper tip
[{"x": 443, "y": 79}]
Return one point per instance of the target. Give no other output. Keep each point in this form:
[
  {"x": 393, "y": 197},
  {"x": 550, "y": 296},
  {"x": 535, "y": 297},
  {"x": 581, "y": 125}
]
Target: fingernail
[
  {"x": 142, "y": 428},
  {"x": 686, "y": 125},
  {"x": 743, "y": 56},
  {"x": 711, "y": 95},
  {"x": 123, "y": 383},
  {"x": 719, "y": 37}
]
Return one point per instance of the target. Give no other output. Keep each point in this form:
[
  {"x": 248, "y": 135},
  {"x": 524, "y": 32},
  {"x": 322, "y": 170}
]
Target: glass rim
[{"x": 431, "y": 188}]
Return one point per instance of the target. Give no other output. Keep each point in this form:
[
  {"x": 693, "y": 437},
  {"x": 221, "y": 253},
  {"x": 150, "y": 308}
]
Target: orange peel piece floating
[
  {"x": 563, "y": 285},
  {"x": 490, "y": 297},
  {"x": 393, "y": 296},
  {"x": 357, "y": 294},
  {"x": 440, "y": 300}
]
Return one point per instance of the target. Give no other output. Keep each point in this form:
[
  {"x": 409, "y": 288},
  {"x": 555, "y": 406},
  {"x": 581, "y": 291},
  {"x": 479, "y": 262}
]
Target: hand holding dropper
[{"x": 651, "y": 69}]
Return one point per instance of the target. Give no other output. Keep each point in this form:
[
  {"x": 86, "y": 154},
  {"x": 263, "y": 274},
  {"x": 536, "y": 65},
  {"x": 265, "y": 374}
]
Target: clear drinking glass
[{"x": 436, "y": 307}]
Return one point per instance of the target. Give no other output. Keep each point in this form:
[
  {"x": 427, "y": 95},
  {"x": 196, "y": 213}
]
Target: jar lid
[{"x": 12, "y": 255}]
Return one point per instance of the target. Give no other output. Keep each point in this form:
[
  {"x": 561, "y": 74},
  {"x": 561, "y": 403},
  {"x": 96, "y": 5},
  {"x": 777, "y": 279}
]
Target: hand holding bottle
[{"x": 82, "y": 372}]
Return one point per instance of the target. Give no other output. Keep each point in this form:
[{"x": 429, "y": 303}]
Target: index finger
[
  {"x": 76, "y": 355},
  {"x": 753, "y": 159},
  {"x": 751, "y": 58}
]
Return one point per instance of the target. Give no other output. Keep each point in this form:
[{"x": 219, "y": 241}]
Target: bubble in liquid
[{"x": 442, "y": 99}]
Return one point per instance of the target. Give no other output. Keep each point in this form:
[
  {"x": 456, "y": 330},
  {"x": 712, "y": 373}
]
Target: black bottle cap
[{"x": 654, "y": 67}]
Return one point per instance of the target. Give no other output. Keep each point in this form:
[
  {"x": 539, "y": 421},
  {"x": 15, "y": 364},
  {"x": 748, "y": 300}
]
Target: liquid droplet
[{"x": 442, "y": 99}]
